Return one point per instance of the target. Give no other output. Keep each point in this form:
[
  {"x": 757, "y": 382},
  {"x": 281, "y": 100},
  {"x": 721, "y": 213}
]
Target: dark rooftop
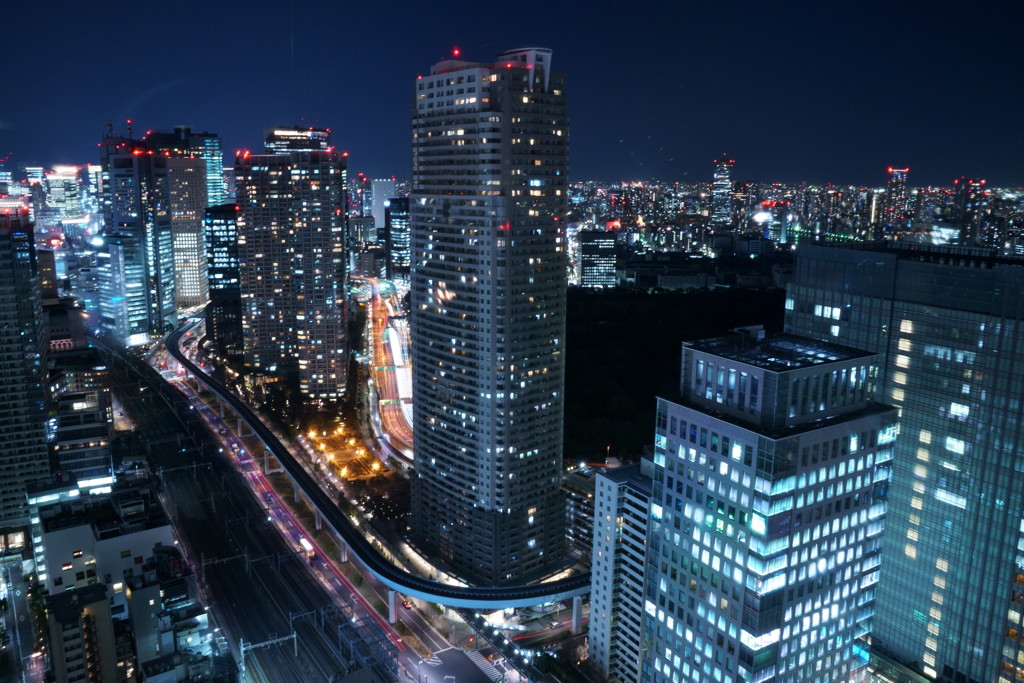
[{"x": 777, "y": 353}]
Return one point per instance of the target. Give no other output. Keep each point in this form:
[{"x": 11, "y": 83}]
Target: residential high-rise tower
[
  {"x": 290, "y": 254},
  {"x": 23, "y": 410},
  {"x": 897, "y": 212},
  {"x": 490, "y": 156}
]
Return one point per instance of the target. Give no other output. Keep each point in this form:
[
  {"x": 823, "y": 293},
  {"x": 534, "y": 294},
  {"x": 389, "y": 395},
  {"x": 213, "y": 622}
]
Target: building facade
[
  {"x": 224, "y": 314},
  {"x": 23, "y": 411},
  {"x": 137, "y": 296},
  {"x": 188, "y": 187},
  {"x": 381, "y": 192},
  {"x": 769, "y": 488},
  {"x": 721, "y": 194},
  {"x": 196, "y": 144},
  {"x": 396, "y": 230},
  {"x": 897, "y": 213},
  {"x": 291, "y": 246},
  {"x": 490, "y": 155},
  {"x": 621, "y": 510},
  {"x": 949, "y": 325},
  {"x": 597, "y": 259}
]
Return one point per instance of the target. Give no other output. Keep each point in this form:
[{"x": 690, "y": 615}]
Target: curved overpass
[{"x": 471, "y": 597}]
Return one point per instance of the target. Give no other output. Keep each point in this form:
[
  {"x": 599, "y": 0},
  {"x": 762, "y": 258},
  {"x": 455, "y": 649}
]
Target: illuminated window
[{"x": 942, "y": 565}]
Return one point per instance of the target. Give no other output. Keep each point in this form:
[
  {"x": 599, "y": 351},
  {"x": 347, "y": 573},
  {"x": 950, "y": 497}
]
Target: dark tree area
[{"x": 623, "y": 349}]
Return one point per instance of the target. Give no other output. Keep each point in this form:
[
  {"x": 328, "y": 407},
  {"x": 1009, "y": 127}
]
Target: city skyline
[{"x": 810, "y": 95}]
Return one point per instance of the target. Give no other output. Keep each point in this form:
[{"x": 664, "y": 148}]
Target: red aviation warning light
[{"x": 456, "y": 51}]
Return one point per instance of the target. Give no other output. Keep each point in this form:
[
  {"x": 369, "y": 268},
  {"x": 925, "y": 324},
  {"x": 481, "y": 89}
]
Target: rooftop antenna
[
  {"x": 129, "y": 129},
  {"x": 110, "y": 128}
]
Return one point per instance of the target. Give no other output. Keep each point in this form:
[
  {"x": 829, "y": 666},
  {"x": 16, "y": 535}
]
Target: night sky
[{"x": 796, "y": 91}]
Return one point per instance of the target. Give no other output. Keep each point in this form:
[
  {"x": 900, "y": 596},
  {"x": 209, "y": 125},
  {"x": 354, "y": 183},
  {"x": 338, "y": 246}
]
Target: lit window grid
[
  {"x": 860, "y": 534},
  {"x": 936, "y": 354}
]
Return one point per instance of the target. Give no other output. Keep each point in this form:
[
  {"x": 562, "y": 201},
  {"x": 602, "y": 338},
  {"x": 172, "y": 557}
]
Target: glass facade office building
[
  {"x": 767, "y": 510},
  {"x": 949, "y": 324}
]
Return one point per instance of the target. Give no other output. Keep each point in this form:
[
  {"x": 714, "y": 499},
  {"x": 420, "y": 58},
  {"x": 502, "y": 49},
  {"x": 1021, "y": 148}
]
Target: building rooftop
[
  {"x": 630, "y": 474},
  {"x": 777, "y": 353},
  {"x": 942, "y": 254},
  {"x": 66, "y": 606}
]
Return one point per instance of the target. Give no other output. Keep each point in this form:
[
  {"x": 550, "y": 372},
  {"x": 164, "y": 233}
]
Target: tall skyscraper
[
  {"x": 185, "y": 142},
  {"x": 950, "y": 326},
  {"x": 137, "y": 297},
  {"x": 968, "y": 194},
  {"x": 396, "y": 231},
  {"x": 188, "y": 187},
  {"x": 224, "y": 313},
  {"x": 291, "y": 238},
  {"x": 490, "y": 154},
  {"x": 897, "y": 215},
  {"x": 770, "y": 476},
  {"x": 721, "y": 194},
  {"x": 23, "y": 413}
]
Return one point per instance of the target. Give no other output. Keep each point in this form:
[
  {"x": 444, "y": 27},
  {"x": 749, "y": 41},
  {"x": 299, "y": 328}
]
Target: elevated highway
[{"x": 394, "y": 577}]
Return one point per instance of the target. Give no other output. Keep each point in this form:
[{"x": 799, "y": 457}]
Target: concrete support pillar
[
  {"x": 297, "y": 491},
  {"x": 392, "y": 606},
  {"x": 238, "y": 430},
  {"x": 318, "y": 520},
  {"x": 220, "y": 402},
  {"x": 577, "y": 614},
  {"x": 342, "y": 551}
]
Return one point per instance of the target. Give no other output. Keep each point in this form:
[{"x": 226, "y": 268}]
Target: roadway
[
  {"x": 253, "y": 580},
  {"x": 389, "y": 368},
  {"x": 447, "y": 660},
  {"x": 396, "y": 578}
]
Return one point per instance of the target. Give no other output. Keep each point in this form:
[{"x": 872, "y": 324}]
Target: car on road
[{"x": 406, "y": 604}]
